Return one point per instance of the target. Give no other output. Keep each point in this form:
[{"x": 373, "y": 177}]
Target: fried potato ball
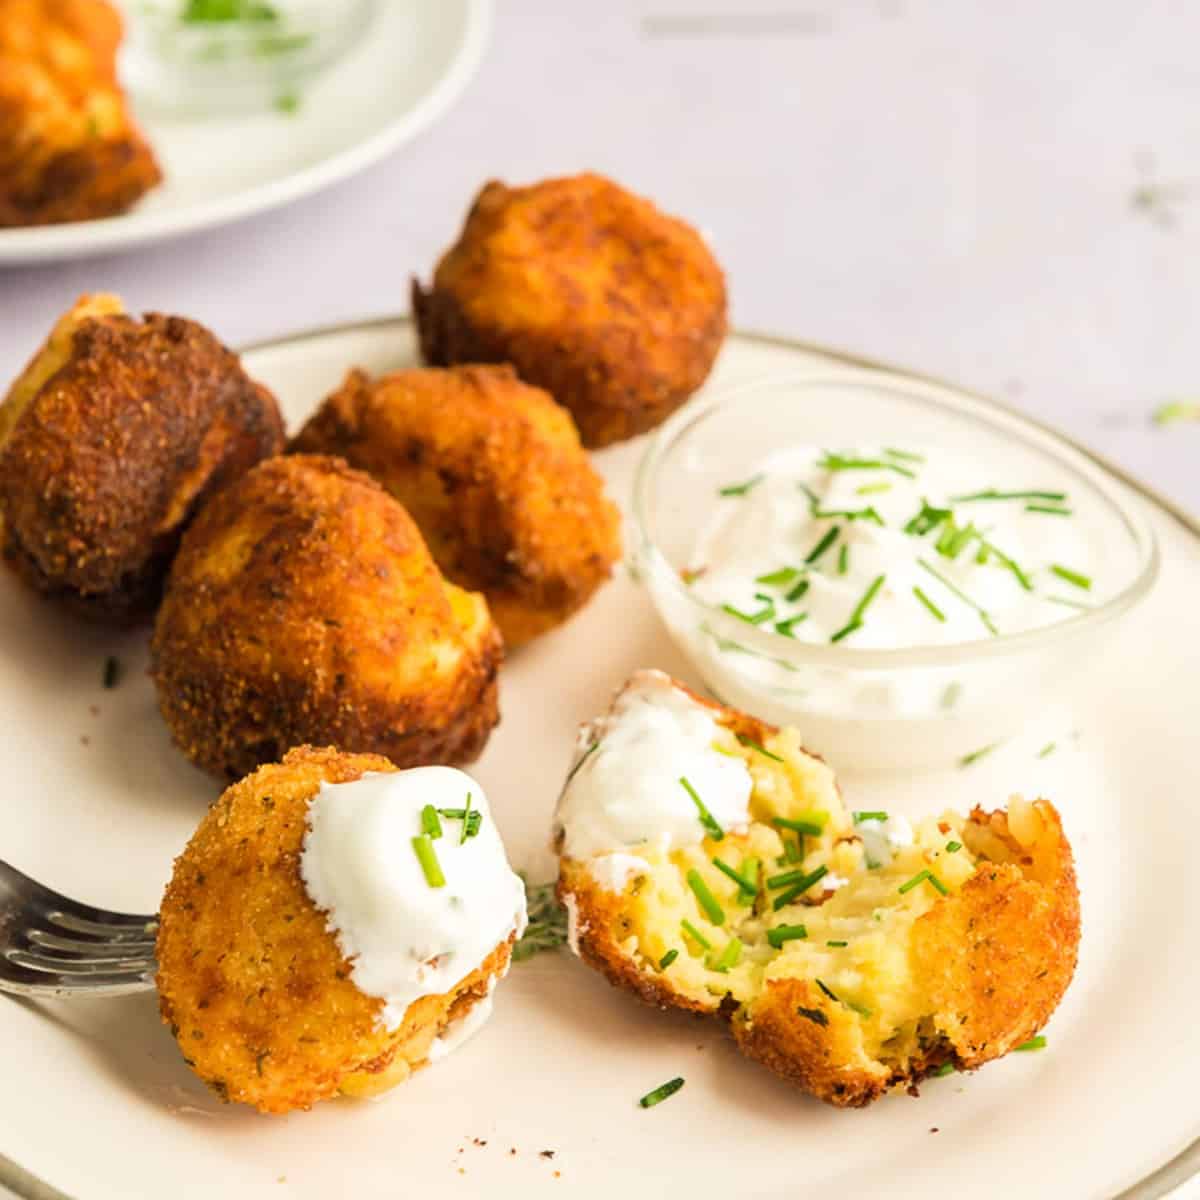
[
  {"x": 111, "y": 439},
  {"x": 304, "y": 607},
  {"x": 492, "y": 472},
  {"x": 867, "y": 956},
  {"x": 250, "y": 978},
  {"x": 615, "y": 308},
  {"x": 69, "y": 149}
]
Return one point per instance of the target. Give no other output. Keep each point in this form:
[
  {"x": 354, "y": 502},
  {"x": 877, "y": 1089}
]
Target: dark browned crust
[
  {"x": 304, "y": 607},
  {"x": 615, "y": 308},
  {"x": 117, "y": 451},
  {"x": 492, "y": 472},
  {"x": 251, "y": 982},
  {"x": 69, "y": 149}
]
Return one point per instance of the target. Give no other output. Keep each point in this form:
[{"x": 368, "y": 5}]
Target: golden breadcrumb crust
[
  {"x": 492, "y": 472},
  {"x": 69, "y": 149},
  {"x": 111, "y": 439},
  {"x": 304, "y": 607},
  {"x": 251, "y": 981},
  {"x": 983, "y": 966},
  {"x": 591, "y": 292}
]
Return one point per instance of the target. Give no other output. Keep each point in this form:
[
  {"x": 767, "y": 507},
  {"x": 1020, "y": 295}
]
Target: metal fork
[{"x": 52, "y": 946}]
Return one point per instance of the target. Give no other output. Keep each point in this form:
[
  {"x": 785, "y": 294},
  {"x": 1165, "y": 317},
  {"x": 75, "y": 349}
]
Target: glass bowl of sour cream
[{"x": 905, "y": 572}]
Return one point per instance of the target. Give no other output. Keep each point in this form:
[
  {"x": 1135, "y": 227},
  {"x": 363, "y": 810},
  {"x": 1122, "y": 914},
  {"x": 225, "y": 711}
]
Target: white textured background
[{"x": 1006, "y": 195}]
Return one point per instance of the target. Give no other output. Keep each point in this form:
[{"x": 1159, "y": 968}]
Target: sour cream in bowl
[{"x": 901, "y": 570}]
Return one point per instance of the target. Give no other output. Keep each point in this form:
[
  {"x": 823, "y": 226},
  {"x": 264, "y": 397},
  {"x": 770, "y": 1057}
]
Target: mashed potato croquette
[
  {"x": 251, "y": 980},
  {"x": 304, "y": 607},
  {"x": 952, "y": 944},
  {"x": 69, "y": 149},
  {"x": 591, "y": 292},
  {"x": 492, "y": 472},
  {"x": 111, "y": 439}
]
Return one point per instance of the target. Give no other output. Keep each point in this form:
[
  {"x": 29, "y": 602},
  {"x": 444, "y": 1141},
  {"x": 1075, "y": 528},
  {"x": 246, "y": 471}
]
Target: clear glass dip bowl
[
  {"x": 199, "y": 57},
  {"x": 915, "y": 706}
]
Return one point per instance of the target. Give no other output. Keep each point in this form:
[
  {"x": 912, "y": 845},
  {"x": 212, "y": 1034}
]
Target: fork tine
[
  {"x": 26, "y": 982},
  {"x": 82, "y": 950},
  {"x": 78, "y": 968},
  {"x": 129, "y": 928},
  {"x": 69, "y": 914}
]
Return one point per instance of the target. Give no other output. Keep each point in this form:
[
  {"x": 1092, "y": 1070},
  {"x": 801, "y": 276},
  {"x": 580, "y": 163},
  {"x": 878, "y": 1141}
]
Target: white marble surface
[{"x": 1007, "y": 195}]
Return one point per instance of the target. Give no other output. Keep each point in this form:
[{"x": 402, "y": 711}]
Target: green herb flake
[
  {"x": 663, "y": 1092},
  {"x": 430, "y": 824},
  {"x": 667, "y": 959},
  {"x": 704, "y": 897},
  {"x": 547, "y": 925},
  {"x": 983, "y": 613},
  {"x": 802, "y": 886},
  {"x": 766, "y": 613},
  {"x": 1053, "y": 510},
  {"x": 870, "y": 489},
  {"x": 750, "y": 744},
  {"x": 1175, "y": 412},
  {"x": 873, "y": 815},
  {"x": 830, "y": 461},
  {"x": 1034, "y": 1043},
  {"x": 1047, "y": 750},
  {"x": 837, "y": 945},
  {"x": 785, "y": 627},
  {"x": 953, "y": 847},
  {"x": 112, "y": 673},
  {"x": 815, "y": 1015},
  {"x": 828, "y": 991},
  {"x": 709, "y": 822},
  {"x": 993, "y": 494},
  {"x": 695, "y": 935},
  {"x": 975, "y": 755},
  {"x": 779, "y": 578},
  {"x": 729, "y": 957},
  {"x": 741, "y": 489},
  {"x": 856, "y": 617},
  {"x": 466, "y": 821},
  {"x": 786, "y": 933},
  {"x": 947, "y": 1068},
  {"x": 427, "y": 857},
  {"x": 1073, "y": 577},
  {"x": 745, "y": 884},
  {"x": 794, "y": 595},
  {"x": 830, "y": 537},
  {"x": 938, "y": 615}
]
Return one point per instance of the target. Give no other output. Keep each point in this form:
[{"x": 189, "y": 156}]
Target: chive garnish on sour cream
[
  {"x": 427, "y": 857},
  {"x": 1073, "y": 577},
  {"x": 741, "y": 489},
  {"x": 749, "y": 743},
  {"x": 712, "y": 828}
]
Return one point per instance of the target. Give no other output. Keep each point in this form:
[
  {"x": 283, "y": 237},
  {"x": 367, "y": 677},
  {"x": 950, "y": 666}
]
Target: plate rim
[
  {"x": 1163, "y": 1179},
  {"x": 107, "y": 235}
]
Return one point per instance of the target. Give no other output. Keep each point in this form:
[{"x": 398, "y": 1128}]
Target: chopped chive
[
  {"x": 793, "y": 850},
  {"x": 925, "y": 876},
  {"x": 827, "y": 991},
  {"x": 983, "y": 614},
  {"x": 788, "y": 897},
  {"x": 837, "y": 945},
  {"x": 976, "y": 755},
  {"x": 744, "y": 884},
  {"x": 740, "y": 489},
  {"x": 593, "y": 746},
  {"x": 951, "y": 694},
  {"x": 729, "y": 957},
  {"x": 927, "y": 519},
  {"x": 429, "y": 822},
  {"x": 1034, "y": 1043},
  {"x": 112, "y": 673},
  {"x": 753, "y": 745},
  {"x": 705, "y": 898},
  {"x": 785, "y": 627},
  {"x": 815, "y": 1015},
  {"x": 786, "y": 933},
  {"x": 287, "y": 102},
  {"x": 860, "y": 609},
  {"x": 428, "y": 860},
  {"x": 1080, "y": 581},
  {"x": 992, "y": 494},
  {"x": 843, "y": 558},
  {"x": 875, "y": 815},
  {"x": 667, "y": 959},
  {"x": 662, "y": 1092},
  {"x": 861, "y": 1009},
  {"x": 823, "y": 545},
  {"x": 844, "y": 462},
  {"x": 947, "y": 1068},
  {"x": 907, "y": 455},
  {"x": 1051, "y": 509},
  {"x": 466, "y": 821},
  {"x": 751, "y": 868},
  {"x": 1174, "y": 411},
  {"x": 787, "y": 878},
  {"x": 812, "y": 823},
  {"x": 780, "y": 578},
  {"x": 869, "y": 489},
  {"x": 706, "y": 818},
  {"x": 797, "y": 591},
  {"x": 1047, "y": 749},
  {"x": 953, "y": 847},
  {"x": 1021, "y": 575},
  {"x": 695, "y": 935},
  {"x": 765, "y": 614},
  {"x": 929, "y": 604}
]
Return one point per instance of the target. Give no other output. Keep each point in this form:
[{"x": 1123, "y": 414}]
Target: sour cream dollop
[
  {"x": 625, "y": 789},
  {"x": 404, "y": 938}
]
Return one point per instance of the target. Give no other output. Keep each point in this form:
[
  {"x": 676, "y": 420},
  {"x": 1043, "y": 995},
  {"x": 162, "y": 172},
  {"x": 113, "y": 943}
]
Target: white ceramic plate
[
  {"x": 402, "y": 74},
  {"x": 95, "y": 802}
]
